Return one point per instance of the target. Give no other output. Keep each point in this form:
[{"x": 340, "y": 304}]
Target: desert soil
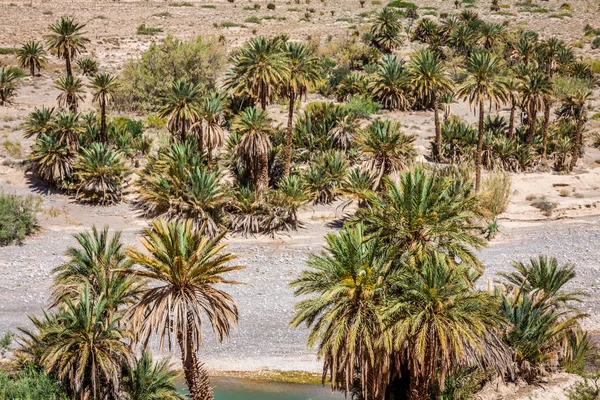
[{"x": 263, "y": 338}]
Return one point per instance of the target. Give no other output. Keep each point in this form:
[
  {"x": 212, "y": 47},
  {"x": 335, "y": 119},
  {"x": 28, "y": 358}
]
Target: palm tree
[
  {"x": 39, "y": 122},
  {"x": 87, "y": 347},
  {"x": 254, "y": 127},
  {"x": 390, "y": 84},
  {"x": 512, "y": 87},
  {"x": 387, "y": 148},
  {"x": 71, "y": 92},
  {"x": 51, "y": 160},
  {"x": 535, "y": 88},
  {"x": 100, "y": 263},
  {"x": 8, "y": 85},
  {"x": 144, "y": 380},
  {"x": 209, "y": 126},
  {"x": 103, "y": 86},
  {"x": 304, "y": 71},
  {"x": 181, "y": 107},
  {"x": 428, "y": 77},
  {"x": 68, "y": 128},
  {"x": 386, "y": 30},
  {"x": 347, "y": 283},
  {"x": 344, "y": 131},
  {"x": 550, "y": 50},
  {"x": 491, "y": 33},
  {"x": 484, "y": 84},
  {"x": 182, "y": 266},
  {"x": 67, "y": 40},
  {"x": 259, "y": 71},
  {"x": 32, "y": 55}
]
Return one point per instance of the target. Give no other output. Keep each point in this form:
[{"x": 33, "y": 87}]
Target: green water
[{"x": 245, "y": 389}]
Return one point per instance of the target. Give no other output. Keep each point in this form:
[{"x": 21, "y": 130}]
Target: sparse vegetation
[{"x": 17, "y": 217}]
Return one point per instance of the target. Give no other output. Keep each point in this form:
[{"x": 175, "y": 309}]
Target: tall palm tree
[
  {"x": 534, "y": 88},
  {"x": 428, "y": 77},
  {"x": 254, "y": 127},
  {"x": 512, "y": 88},
  {"x": 144, "y": 380},
  {"x": 100, "y": 263},
  {"x": 210, "y": 124},
  {"x": 181, "y": 107},
  {"x": 304, "y": 71},
  {"x": 347, "y": 284},
  {"x": 103, "y": 86},
  {"x": 71, "y": 92},
  {"x": 67, "y": 40},
  {"x": 8, "y": 85},
  {"x": 390, "y": 84},
  {"x": 183, "y": 266},
  {"x": 32, "y": 55},
  {"x": 550, "y": 50},
  {"x": 87, "y": 347},
  {"x": 387, "y": 148},
  {"x": 484, "y": 84},
  {"x": 259, "y": 71}
]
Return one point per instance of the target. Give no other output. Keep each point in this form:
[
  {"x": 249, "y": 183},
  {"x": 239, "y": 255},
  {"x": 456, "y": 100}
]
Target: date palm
[
  {"x": 183, "y": 267},
  {"x": 387, "y": 148},
  {"x": 304, "y": 71},
  {"x": 210, "y": 124},
  {"x": 87, "y": 347},
  {"x": 181, "y": 107},
  {"x": 259, "y": 71},
  {"x": 390, "y": 84},
  {"x": 484, "y": 84},
  {"x": 39, "y": 122},
  {"x": 145, "y": 380},
  {"x": 33, "y": 56},
  {"x": 344, "y": 291},
  {"x": 66, "y": 40},
  {"x": 8, "y": 85},
  {"x": 254, "y": 127},
  {"x": 71, "y": 92},
  {"x": 103, "y": 86},
  {"x": 534, "y": 88},
  {"x": 51, "y": 160},
  {"x": 386, "y": 30},
  {"x": 428, "y": 77},
  {"x": 69, "y": 128}
]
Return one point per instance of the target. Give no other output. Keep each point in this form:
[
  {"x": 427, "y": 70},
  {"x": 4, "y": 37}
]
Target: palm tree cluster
[
  {"x": 393, "y": 306},
  {"x": 108, "y": 300}
]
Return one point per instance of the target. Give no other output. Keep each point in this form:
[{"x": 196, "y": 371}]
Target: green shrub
[
  {"x": 496, "y": 193},
  {"x": 145, "y": 79},
  {"x": 17, "y": 217},
  {"x": 13, "y": 149},
  {"x": 146, "y": 30},
  {"x": 212, "y": 6},
  {"x": 596, "y": 42},
  {"x": 30, "y": 384},
  {"x": 402, "y": 4},
  {"x": 362, "y": 106},
  {"x": 229, "y": 24},
  {"x": 595, "y": 65},
  {"x": 164, "y": 14},
  {"x": 271, "y": 6},
  {"x": 8, "y": 50},
  {"x": 88, "y": 66},
  {"x": 252, "y": 20}
]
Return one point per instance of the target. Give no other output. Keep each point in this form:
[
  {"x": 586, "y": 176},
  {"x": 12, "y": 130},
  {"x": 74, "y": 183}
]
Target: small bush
[
  {"x": 229, "y": 24},
  {"x": 17, "y": 217},
  {"x": 403, "y": 4},
  {"x": 8, "y": 50},
  {"x": 88, "y": 66},
  {"x": 13, "y": 149},
  {"x": 545, "y": 206},
  {"x": 496, "y": 193},
  {"x": 578, "y": 43},
  {"x": 181, "y": 4},
  {"x": 164, "y": 14},
  {"x": 252, "y": 20},
  {"x": 271, "y": 6},
  {"x": 596, "y": 42},
  {"x": 212, "y": 6},
  {"x": 595, "y": 65},
  {"x": 147, "y": 30},
  {"x": 588, "y": 389}
]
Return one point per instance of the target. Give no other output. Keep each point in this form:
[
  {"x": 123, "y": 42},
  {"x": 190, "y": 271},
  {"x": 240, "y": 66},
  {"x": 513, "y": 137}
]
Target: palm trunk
[
  {"x": 547, "y": 105},
  {"x": 287, "y": 151},
  {"x": 263, "y": 177},
  {"x": 103, "y": 135},
  {"x": 578, "y": 139},
  {"x": 68, "y": 65},
  {"x": 194, "y": 372},
  {"x": 479, "y": 155},
  {"x": 511, "y": 121},
  {"x": 32, "y": 69},
  {"x": 532, "y": 119},
  {"x": 438, "y": 129},
  {"x": 183, "y": 131}
]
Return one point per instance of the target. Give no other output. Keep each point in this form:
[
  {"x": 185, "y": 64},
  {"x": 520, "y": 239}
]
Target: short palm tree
[
  {"x": 491, "y": 33},
  {"x": 103, "y": 86},
  {"x": 181, "y": 107},
  {"x": 39, "y": 122},
  {"x": 183, "y": 266},
  {"x": 386, "y": 30},
  {"x": 483, "y": 84},
  {"x": 387, "y": 148},
  {"x": 98, "y": 262},
  {"x": 144, "y": 380},
  {"x": 390, "y": 84},
  {"x": 428, "y": 77},
  {"x": 87, "y": 347},
  {"x": 8, "y": 85},
  {"x": 254, "y": 127},
  {"x": 304, "y": 71},
  {"x": 343, "y": 291},
  {"x": 259, "y": 71},
  {"x": 210, "y": 124},
  {"x": 66, "y": 40},
  {"x": 71, "y": 92},
  {"x": 534, "y": 88},
  {"x": 51, "y": 160},
  {"x": 68, "y": 128},
  {"x": 33, "y": 56}
]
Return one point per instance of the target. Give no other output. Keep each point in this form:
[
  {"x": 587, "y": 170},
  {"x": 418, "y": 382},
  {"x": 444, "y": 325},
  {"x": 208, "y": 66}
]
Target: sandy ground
[{"x": 263, "y": 338}]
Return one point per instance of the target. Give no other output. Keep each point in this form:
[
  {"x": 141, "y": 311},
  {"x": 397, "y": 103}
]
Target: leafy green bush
[
  {"x": 88, "y": 66},
  {"x": 30, "y": 384},
  {"x": 17, "y": 217},
  {"x": 402, "y": 4},
  {"x": 145, "y": 79},
  {"x": 147, "y": 30},
  {"x": 362, "y": 106},
  {"x": 596, "y": 42}
]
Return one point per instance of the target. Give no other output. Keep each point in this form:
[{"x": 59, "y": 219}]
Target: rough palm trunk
[
  {"x": 532, "y": 116},
  {"x": 32, "y": 69},
  {"x": 578, "y": 138},
  {"x": 287, "y": 151},
  {"x": 479, "y": 155},
  {"x": 103, "y": 135},
  {"x": 438, "y": 129},
  {"x": 511, "y": 121},
  {"x": 72, "y": 103},
  {"x": 194, "y": 372},
  {"x": 547, "y": 105},
  {"x": 262, "y": 181},
  {"x": 68, "y": 64}
]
